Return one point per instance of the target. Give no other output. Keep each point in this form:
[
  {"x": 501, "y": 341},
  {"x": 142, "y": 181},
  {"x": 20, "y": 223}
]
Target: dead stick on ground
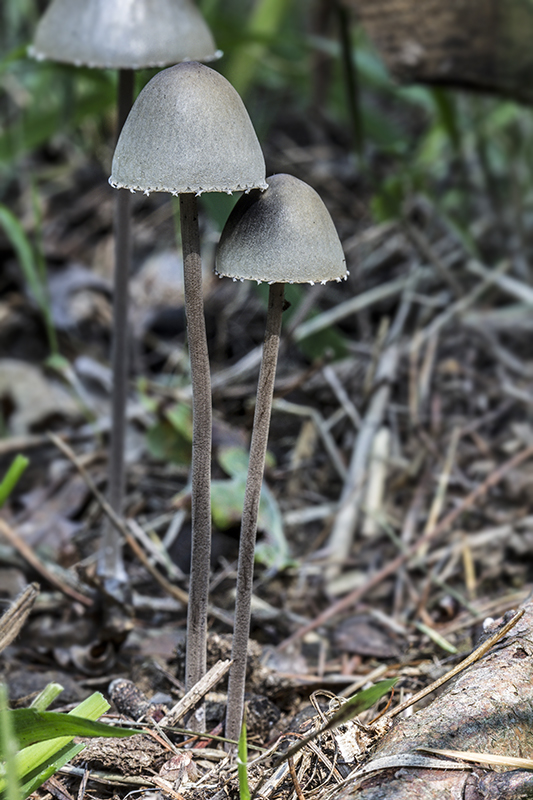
[
  {"x": 195, "y": 695},
  {"x": 342, "y": 534},
  {"x": 16, "y": 615},
  {"x": 296, "y": 782},
  {"x": 34, "y": 561},
  {"x": 354, "y": 597}
]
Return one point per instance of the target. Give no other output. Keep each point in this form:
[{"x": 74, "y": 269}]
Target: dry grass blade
[
  {"x": 485, "y": 758},
  {"x": 16, "y": 615},
  {"x": 349, "y": 307},
  {"x": 342, "y": 534},
  {"x": 120, "y": 525}
]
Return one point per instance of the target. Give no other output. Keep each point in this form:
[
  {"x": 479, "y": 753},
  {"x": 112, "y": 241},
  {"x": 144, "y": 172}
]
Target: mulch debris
[{"x": 401, "y": 434}]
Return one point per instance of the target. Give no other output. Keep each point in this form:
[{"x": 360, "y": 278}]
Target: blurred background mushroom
[{"x": 125, "y": 35}]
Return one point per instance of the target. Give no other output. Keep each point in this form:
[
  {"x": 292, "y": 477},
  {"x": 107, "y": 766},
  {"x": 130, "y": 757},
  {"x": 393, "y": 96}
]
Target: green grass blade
[
  {"x": 351, "y": 708},
  {"x": 12, "y": 476},
  {"x": 29, "y": 264},
  {"x": 16, "y": 54},
  {"x": 8, "y": 747},
  {"x": 44, "y": 771},
  {"x": 41, "y": 123},
  {"x": 24, "y": 252},
  {"x": 47, "y": 696},
  {"x": 242, "y": 763}
]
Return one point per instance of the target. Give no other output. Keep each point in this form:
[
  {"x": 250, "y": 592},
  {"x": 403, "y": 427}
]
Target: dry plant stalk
[{"x": 13, "y": 619}]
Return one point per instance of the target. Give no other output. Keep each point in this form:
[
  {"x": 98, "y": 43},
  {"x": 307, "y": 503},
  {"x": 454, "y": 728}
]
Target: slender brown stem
[
  {"x": 110, "y": 563},
  {"x": 201, "y": 443},
  {"x": 245, "y": 569}
]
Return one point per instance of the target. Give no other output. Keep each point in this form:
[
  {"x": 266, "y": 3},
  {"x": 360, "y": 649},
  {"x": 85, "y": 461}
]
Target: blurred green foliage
[
  {"x": 271, "y": 49},
  {"x": 227, "y": 498},
  {"x": 12, "y": 476},
  {"x": 288, "y": 66}
]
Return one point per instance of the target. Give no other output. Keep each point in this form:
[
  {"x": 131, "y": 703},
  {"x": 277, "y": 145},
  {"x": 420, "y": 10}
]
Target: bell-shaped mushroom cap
[
  {"x": 283, "y": 235},
  {"x": 123, "y": 34},
  {"x": 188, "y": 132}
]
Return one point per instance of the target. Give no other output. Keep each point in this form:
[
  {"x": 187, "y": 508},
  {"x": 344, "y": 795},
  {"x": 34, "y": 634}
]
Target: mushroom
[
  {"x": 124, "y": 35},
  {"x": 283, "y": 235},
  {"x": 188, "y": 133}
]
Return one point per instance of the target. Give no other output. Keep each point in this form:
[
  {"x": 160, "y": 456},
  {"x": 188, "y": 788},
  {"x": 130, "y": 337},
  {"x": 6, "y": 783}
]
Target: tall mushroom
[
  {"x": 124, "y": 35},
  {"x": 188, "y": 133},
  {"x": 283, "y": 235}
]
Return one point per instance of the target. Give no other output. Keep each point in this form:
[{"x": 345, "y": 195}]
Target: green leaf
[
  {"x": 166, "y": 444},
  {"x": 234, "y": 461},
  {"x": 170, "y": 439},
  {"x": 33, "y": 726},
  {"x": 227, "y": 498},
  {"x": 180, "y": 417},
  {"x": 36, "y": 762},
  {"x": 43, "y": 771},
  {"x": 265, "y": 19},
  {"x": 9, "y": 745},
  {"x": 329, "y": 341},
  {"x": 274, "y": 553},
  {"x": 12, "y": 477}
]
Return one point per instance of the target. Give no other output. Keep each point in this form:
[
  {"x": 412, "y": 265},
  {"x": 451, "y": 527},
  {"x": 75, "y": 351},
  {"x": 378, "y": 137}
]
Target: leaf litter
[{"x": 396, "y": 500}]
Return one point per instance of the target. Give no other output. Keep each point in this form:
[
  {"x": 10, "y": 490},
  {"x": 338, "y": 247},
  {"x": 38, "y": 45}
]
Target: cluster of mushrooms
[{"x": 188, "y": 133}]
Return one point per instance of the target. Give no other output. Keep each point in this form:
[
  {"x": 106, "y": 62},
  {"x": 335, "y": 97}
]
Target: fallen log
[
  {"x": 487, "y": 709},
  {"x": 475, "y": 44}
]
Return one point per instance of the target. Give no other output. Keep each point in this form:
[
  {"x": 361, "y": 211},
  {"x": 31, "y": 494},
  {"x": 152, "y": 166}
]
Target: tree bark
[
  {"x": 486, "y": 709},
  {"x": 476, "y": 44}
]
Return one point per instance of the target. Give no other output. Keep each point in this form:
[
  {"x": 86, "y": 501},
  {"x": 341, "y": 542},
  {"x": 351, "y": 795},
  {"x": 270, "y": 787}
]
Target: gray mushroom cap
[
  {"x": 283, "y": 235},
  {"x": 188, "y": 132},
  {"x": 123, "y": 34}
]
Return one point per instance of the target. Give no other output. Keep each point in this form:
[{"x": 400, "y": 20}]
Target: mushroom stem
[
  {"x": 111, "y": 567},
  {"x": 201, "y": 443},
  {"x": 252, "y": 495}
]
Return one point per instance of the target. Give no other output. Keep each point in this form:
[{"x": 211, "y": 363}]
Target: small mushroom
[
  {"x": 124, "y": 35},
  {"x": 188, "y": 133},
  {"x": 283, "y": 235}
]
